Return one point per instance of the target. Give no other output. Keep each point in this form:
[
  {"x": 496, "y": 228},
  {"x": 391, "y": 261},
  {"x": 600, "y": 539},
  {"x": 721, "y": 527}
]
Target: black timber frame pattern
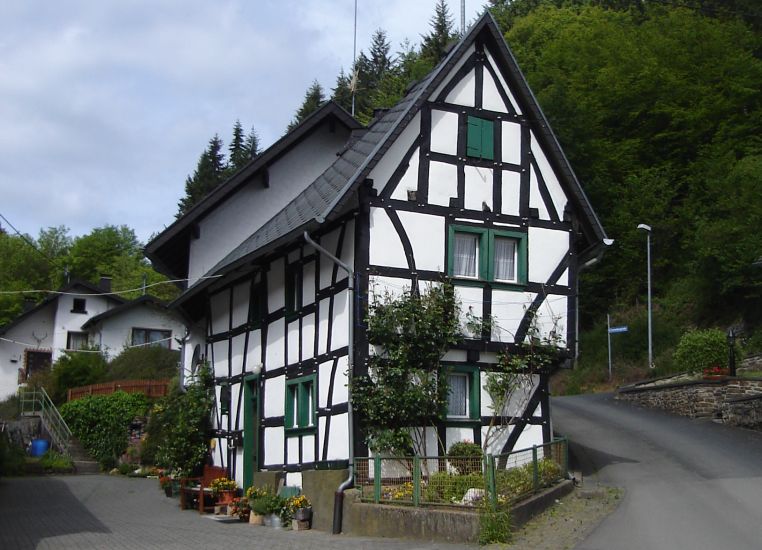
[{"x": 230, "y": 427}]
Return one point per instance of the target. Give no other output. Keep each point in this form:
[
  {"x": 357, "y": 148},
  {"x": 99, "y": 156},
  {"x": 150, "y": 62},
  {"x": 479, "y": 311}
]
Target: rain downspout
[{"x": 338, "y": 501}]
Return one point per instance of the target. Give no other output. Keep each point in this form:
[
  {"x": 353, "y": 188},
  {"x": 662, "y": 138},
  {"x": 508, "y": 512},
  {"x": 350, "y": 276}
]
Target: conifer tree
[
  {"x": 242, "y": 148},
  {"x": 434, "y": 45},
  {"x": 210, "y": 172},
  {"x": 313, "y": 99}
]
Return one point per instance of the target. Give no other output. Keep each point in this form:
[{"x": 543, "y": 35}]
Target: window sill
[
  {"x": 501, "y": 285},
  {"x": 79, "y": 311}
]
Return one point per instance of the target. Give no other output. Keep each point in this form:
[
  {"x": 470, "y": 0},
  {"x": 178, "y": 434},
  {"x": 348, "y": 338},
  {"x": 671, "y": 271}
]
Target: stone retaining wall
[{"x": 736, "y": 401}]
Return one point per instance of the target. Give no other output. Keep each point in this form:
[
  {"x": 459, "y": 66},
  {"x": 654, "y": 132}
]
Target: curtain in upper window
[
  {"x": 466, "y": 246},
  {"x": 505, "y": 259}
]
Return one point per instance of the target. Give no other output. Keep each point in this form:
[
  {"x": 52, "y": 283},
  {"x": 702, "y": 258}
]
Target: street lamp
[{"x": 647, "y": 229}]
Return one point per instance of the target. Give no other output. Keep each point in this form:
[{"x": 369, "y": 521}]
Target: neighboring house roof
[
  {"x": 158, "y": 250},
  {"x": 52, "y": 297},
  {"x": 118, "y": 310},
  {"x": 329, "y": 193}
]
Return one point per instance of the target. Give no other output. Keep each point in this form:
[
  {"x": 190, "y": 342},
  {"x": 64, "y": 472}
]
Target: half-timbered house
[{"x": 462, "y": 178}]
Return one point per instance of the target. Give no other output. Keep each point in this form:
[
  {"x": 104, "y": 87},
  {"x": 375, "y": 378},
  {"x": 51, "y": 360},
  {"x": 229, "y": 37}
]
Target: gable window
[
  {"x": 79, "y": 306},
  {"x": 463, "y": 398},
  {"x": 480, "y": 138},
  {"x": 485, "y": 254},
  {"x": 149, "y": 336},
  {"x": 76, "y": 341},
  {"x": 293, "y": 289},
  {"x": 300, "y": 404}
]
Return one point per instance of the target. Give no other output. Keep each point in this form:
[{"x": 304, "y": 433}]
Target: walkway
[{"x": 120, "y": 513}]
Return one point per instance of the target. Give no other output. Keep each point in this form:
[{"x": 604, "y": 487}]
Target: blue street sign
[{"x": 617, "y": 330}]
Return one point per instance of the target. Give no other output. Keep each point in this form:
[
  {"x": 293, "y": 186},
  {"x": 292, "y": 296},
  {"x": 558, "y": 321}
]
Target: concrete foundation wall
[
  {"x": 385, "y": 520},
  {"x": 320, "y": 487}
]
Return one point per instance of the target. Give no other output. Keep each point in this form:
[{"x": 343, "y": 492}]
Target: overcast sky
[{"x": 105, "y": 106}]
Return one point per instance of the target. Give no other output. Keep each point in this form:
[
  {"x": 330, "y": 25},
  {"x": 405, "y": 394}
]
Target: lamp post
[{"x": 647, "y": 229}]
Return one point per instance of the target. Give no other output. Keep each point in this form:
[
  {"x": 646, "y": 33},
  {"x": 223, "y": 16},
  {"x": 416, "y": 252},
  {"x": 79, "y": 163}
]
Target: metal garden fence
[{"x": 461, "y": 481}]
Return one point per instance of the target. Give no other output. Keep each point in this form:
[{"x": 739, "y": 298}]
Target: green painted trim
[
  {"x": 474, "y": 394},
  {"x": 487, "y": 255},
  {"x": 250, "y": 428},
  {"x": 306, "y": 421}
]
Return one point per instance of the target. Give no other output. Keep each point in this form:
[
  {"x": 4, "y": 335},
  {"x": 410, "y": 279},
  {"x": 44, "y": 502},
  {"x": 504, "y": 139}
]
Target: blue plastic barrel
[{"x": 39, "y": 447}]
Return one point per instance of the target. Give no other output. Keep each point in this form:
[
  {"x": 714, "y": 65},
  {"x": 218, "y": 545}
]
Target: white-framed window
[
  {"x": 76, "y": 340},
  {"x": 150, "y": 336}
]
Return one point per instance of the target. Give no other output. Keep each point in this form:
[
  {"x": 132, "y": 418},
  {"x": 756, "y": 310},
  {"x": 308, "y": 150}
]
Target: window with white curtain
[
  {"x": 504, "y": 257},
  {"x": 466, "y": 256},
  {"x": 457, "y": 400},
  {"x": 488, "y": 254}
]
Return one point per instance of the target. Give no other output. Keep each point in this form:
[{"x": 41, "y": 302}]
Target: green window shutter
[
  {"x": 474, "y": 137},
  {"x": 480, "y": 138},
  {"x": 488, "y": 139},
  {"x": 291, "y": 395}
]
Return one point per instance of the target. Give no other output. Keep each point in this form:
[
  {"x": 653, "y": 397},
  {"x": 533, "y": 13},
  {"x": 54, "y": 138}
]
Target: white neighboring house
[
  {"x": 80, "y": 315},
  {"x": 462, "y": 178}
]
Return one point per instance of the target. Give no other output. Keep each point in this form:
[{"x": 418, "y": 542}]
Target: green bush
[
  {"x": 700, "y": 349},
  {"x": 74, "y": 369},
  {"x": 9, "y": 407},
  {"x": 56, "y": 463},
  {"x": 101, "y": 423},
  {"x": 145, "y": 362},
  {"x": 179, "y": 426},
  {"x": 465, "y": 457}
]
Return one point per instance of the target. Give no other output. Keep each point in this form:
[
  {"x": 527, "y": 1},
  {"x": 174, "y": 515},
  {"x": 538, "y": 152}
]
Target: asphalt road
[{"x": 689, "y": 484}]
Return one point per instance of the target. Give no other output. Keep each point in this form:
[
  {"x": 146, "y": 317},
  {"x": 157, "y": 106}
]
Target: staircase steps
[{"x": 83, "y": 463}]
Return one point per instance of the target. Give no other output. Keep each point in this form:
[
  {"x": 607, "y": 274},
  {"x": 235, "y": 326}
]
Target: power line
[
  {"x": 25, "y": 239},
  {"x": 113, "y": 293}
]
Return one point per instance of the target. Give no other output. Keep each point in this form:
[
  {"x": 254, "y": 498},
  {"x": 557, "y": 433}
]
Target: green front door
[{"x": 250, "y": 429}]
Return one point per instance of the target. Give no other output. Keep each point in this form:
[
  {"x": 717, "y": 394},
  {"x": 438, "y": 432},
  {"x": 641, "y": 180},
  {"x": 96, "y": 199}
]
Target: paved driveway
[
  {"x": 689, "y": 484},
  {"x": 116, "y": 513}
]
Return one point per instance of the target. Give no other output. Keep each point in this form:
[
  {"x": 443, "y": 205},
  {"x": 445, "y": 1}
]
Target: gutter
[{"x": 338, "y": 501}]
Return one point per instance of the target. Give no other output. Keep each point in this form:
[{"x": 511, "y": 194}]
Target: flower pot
[
  {"x": 168, "y": 490},
  {"x": 225, "y": 497},
  {"x": 303, "y": 514},
  {"x": 256, "y": 519},
  {"x": 273, "y": 520}
]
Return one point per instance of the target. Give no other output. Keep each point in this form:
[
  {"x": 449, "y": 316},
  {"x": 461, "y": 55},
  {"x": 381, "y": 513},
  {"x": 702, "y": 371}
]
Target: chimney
[{"x": 105, "y": 284}]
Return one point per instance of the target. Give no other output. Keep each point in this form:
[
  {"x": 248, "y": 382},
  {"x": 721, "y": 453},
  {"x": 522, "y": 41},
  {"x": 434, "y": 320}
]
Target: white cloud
[{"x": 106, "y": 106}]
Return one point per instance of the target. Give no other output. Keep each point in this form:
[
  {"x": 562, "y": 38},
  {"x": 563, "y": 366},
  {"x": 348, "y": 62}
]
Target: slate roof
[
  {"x": 52, "y": 297},
  {"x": 145, "y": 299},
  {"x": 329, "y": 193}
]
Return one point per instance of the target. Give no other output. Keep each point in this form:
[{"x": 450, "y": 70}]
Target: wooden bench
[{"x": 198, "y": 489}]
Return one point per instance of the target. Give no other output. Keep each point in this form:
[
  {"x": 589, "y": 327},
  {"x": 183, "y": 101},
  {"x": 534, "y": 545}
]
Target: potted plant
[
  {"x": 257, "y": 504},
  {"x": 300, "y": 507},
  {"x": 224, "y": 489},
  {"x": 273, "y": 507},
  {"x": 165, "y": 482}
]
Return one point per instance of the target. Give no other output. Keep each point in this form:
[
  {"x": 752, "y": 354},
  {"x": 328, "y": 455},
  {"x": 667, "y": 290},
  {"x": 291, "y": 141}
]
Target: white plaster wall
[
  {"x": 114, "y": 333},
  {"x": 39, "y": 323},
  {"x": 385, "y": 245},
  {"x": 292, "y": 450},
  {"x": 547, "y": 248},
  {"x": 378, "y": 286},
  {"x": 220, "y": 350},
  {"x": 339, "y": 334},
  {"x": 308, "y": 337},
  {"x": 329, "y": 241},
  {"x": 236, "y": 364},
  {"x": 338, "y": 439},
  {"x": 241, "y": 214},
  {"x": 551, "y": 181},
  {"x": 511, "y": 142},
  {"x": 391, "y": 159},
  {"x": 220, "y": 307},
  {"x": 308, "y": 448},
  {"x": 532, "y": 435},
  {"x": 508, "y": 309},
  {"x": 294, "y": 479},
  {"x": 273, "y": 447},
  {"x": 525, "y": 387},
  {"x": 444, "y": 132},
  {"x": 535, "y": 199},
  {"x": 491, "y": 99},
  {"x": 478, "y": 187},
  {"x": 254, "y": 350},
  {"x": 323, "y": 325},
  {"x": 275, "y": 335},
  {"x": 511, "y": 193},
  {"x": 453, "y": 72},
  {"x": 464, "y": 92},
  {"x": 427, "y": 239},
  {"x": 292, "y": 329},
  {"x": 443, "y": 182},
  {"x": 501, "y": 80},
  {"x": 241, "y": 303},
  {"x": 276, "y": 290},
  {"x": 66, "y": 321},
  {"x": 275, "y": 394},
  {"x": 409, "y": 180},
  {"x": 470, "y": 302},
  {"x": 552, "y": 316}
]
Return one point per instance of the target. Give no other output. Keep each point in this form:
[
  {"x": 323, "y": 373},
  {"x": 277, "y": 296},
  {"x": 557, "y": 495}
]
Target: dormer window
[{"x": 79, "y": 306}]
